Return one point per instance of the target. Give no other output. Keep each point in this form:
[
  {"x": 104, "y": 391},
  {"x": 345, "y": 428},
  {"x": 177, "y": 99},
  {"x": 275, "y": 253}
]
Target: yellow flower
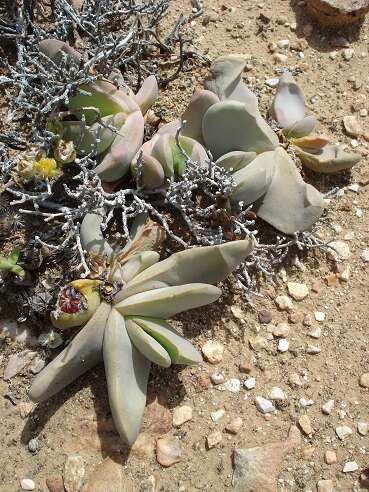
[{"x": 46, "y": 168}]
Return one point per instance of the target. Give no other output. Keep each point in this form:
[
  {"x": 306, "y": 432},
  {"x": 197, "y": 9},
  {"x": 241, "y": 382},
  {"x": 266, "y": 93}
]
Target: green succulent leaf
[
  {"x": 9, "y": 263},
  {"x": 168, "y": 301},
  {"x": 138, "y": 263},
  {"x": 147, "y": 344},
  {"x": 229, "y": 126},
  {"x": 92, "y": 238},
  {"x": 82, "y": 353},
  {"x": 127, "y": 373},
  {"x": 236, "y": 160},
  {"x": 300, "y": 128},
  {"x": 194, "y": 113},
  {"x": 180, "y": 350},
  {"x": 148, "y": 93}
]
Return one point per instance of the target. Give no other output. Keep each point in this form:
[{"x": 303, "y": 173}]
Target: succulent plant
[
  {"x": 126, "y": 313},
  {"x": 315, "y": 152},
  {"x": 10, "y": 263}
]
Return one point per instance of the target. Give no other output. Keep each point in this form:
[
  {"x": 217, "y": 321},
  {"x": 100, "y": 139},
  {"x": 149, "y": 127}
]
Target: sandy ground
[{"x": 78, "y": 420}]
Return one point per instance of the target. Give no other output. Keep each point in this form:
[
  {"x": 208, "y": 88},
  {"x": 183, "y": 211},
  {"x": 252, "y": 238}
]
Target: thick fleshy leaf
[
  {"x": 329, "y": 158},
  {"x": 148, "y": 93},
  {"x": 126, "y": 144},
  {"x": 127, "y": 373},
  {"x": 226, "y": 82},
  {"x": 208, "y": 264},
  {"x": 92, "y": 238},
  {"x": 229, "y": 126},
  {"x": 152, "y": 172},
  {"x": 138, "y": 263},
  {"x": 234, "y": 161},
  {"x": 252, "y": 182},
  {"x": 170, "y": 128},
  {"x": 147, "y": 345},
  {"x": 168, "y": 301},
  {"x": 105, "y": 97},
  {"x": 288, "y": 106},
  {"x": 82, "y": 353},
  {"x": 300, "y": 128},
  {"x": 56, "y": 50},
  {"x": 290, "y": 205},
  {"x": 194, "y": 113},
  {"x": 180, "y": 350},
  {"x": 311, "y": 143}
]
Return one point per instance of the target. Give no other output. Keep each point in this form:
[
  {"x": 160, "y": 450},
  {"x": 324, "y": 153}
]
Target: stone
[
  {"x": 264, "y": 405},
  {"x": 257, "y": 468},
  {"x": 109, "y": 476},
  {"x": 313, "y": 350},
  {"x": 283, "y": 44},
  {"x": 352, "y": 126},
  {"x": 27, "y": 484},
  {"x": 250, "y": 383},
  {"x": 168, "y": 451},
  {"x": 315, "y": 332},
  {"x": 305, "y": 403},
  {"x": 277, "y": 394},
  {"x": 217, "y": 415},
  {"x": 281, "y": 330},
  {"x": 213, "y": 352},
  {"x": 55, "y": 484},
  {"x": 17, "y": 362},
  {"x": 234, "y": 425},
  {"x": 181, "y": 415},
  {"x": 25, "y": 408},
  {"x": 363, "y": 428},
  {"x": 37, "y": 365},
  {"x": 337, "y": 13},
  {"x": 33, "y": 445},
  {"x": 325, "y": 486},
  {"x": 305, "y": 425},
  {"x": 283, "y": 345},
  {"x": 237, "y": 312},
  {"x": 364, "y": 380},
  {"x": 233, "y": 385},
  {"x": 365, "y": 255},
  {"x": 307, "y": 321},
  {"x": 350, "y": 466},
  {"x": 340, "y": 250},
  {"x": 284, "y": 303},
  {"x": 330, "y": 457},
  {"x": 327, "y": 407},
  {"x": 265, "y": 317},
  {"x": 345, "y": 273},
  {"x": 213, "y": 439},
  {"x": 246, "y": 365},
  {"x": 280, "y": 58},
  {"x": 217, "y": 378},
  {"x": 343, "y": 431},
  {"x": 347, "y": 54},
  {"x": 319, "y": 316},
  {"x": 74, "y": 472},
  {"x": 297, "y": 291},
  {"x": 272, "y": 82},
  {"x": 295, "y": 380},
  {"x": 258, "y": 343}
]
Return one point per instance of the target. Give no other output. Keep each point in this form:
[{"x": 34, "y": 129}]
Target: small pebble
[
  {"x": 327, "y": 407},
  {"x": 74, "y": 472},
  {"x": 280, "y": 58},
  {"x": 213, "y": 439},
  {"x": 295, "y": 380},
  {"x": 217, "y": 414},
  {"x": 213, "y": 352},
  {"x": 237, "y": 312},
  {"x": 33, "y": 445},
  {"x": 233, "y": 385},
  {"x": 272, "y": 82},
  {"x": 284, "y": 303},
  {"x": 364, "y": 380},
  {"x": 249, "y": 383},
  {"x": 363, "y": 428},
  {"x": 305, "y": 424},
  {"x": 319, "y": 316},
  {"x": 313, "y": 350},
  {"x": 365, "y": 255},
  {"x": 277, "y": 393},
  {"x": 352, "y": 126},
  {"x": 297, "y": 290},
  {"x": 305, "y": 403},
  {"x": 27, "y": 484},
  {"x": 264, "y": 405},
  {"x": 347, "y": 54},
  {"x": 343, "y": 431},
  {"x": 234, "y": 425},
  {"x": 217, "y": 378},
  {"x": 330, "y": 457},
  {"x": 283, "y": 345},
  {"x": 325, "y": 486},
  {"x": 350, "y": 466},
  {"x": 315, "y": 332},
  {"x": 246, "y": 365},
  {"x": 283, "y": 44},
  {"x": 265, "y": 316},
  {"x": 181, "y": 415},
  {"x": 168, "y": 451},
  {"x": 281, "y": 330},
  {"x": 340, "y": 250}
]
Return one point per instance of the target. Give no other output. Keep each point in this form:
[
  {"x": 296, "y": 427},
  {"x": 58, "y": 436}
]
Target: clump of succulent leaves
[
  {"x": 223, "y": 119},
  {"x": 10, "y": 264},
  {"x": 124, "y": 311}
]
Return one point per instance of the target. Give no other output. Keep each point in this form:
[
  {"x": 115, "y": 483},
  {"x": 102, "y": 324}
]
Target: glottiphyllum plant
[{"x": 125, "y": 313}]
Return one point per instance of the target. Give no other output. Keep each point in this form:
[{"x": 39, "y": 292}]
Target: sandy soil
[{"x": 78, "y": 420}]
